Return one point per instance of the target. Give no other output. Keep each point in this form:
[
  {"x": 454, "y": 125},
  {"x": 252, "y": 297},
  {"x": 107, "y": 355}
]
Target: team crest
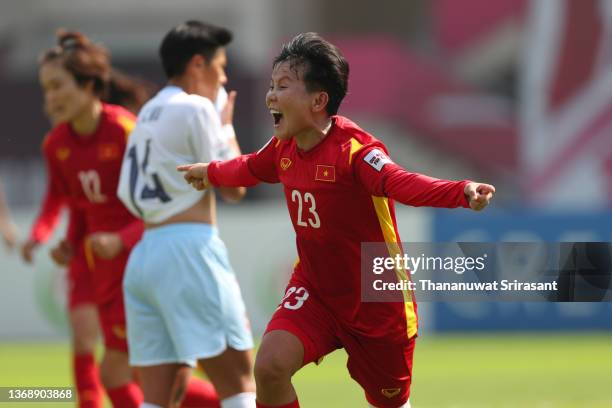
[
  {"x": 390, "y": 392},
  {"x": 285, "y": 163},
  {"x": 62, "y": 153},
  {"x": 108, "y": 151}
]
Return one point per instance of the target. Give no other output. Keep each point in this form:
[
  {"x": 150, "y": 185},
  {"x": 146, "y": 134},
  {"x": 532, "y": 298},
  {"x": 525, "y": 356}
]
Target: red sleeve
[
  {"x": 246, "y": 170},
  {"x": 381, "y": 177},
  {"x": 131, "y": 234},
  {"x": 54, "y": 199}
]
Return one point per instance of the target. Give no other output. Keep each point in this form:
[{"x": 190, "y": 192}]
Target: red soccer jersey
[
  {"x": 83, "y": 172},
  {"x": 340, "y": 194}
]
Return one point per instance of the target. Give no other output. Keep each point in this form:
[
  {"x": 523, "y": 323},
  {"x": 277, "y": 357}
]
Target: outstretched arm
[
  {"x": 231, "y": 173},
  {"x": 380, "y": 176},
  {"x": 242, "y": 171}
]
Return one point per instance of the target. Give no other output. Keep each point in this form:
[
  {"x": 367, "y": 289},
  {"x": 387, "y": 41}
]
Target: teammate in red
[
  {"x": 340, "y": 186},
  {"x": 84, "y": 152}
]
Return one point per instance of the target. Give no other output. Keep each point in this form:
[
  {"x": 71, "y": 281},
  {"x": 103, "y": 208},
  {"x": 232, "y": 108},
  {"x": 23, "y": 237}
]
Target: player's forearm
[
  {"x": 131, "y": 234},
  {"x": 232, "y": 173},
  {"x": 419, "y": 190},
  {"x": 232, "y": 194},
  {"x": 47, "y": 220}
]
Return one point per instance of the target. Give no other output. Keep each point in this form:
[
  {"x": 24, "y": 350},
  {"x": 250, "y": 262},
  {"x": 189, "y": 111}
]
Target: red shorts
[
  {"x": 106, "y": 282},
  {"x": 112, "y": 321},
  {"x": 382, "y": 368}
]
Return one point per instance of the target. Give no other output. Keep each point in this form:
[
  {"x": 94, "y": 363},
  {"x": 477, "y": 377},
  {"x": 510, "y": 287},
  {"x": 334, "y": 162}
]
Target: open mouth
[{"x": 277, "y": 116}]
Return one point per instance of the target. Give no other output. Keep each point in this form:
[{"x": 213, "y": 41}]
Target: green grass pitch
[{"x": 496, "y": 370}]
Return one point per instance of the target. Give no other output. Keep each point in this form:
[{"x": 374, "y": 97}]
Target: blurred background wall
[{"x": 513, "y": 92}]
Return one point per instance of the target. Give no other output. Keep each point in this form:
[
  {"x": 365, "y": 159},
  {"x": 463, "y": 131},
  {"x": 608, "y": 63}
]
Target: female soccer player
[
  {"x": 340, "y": 186},
  {"x": 183, "y": 302},
  {"x": 83, "y": 152}
]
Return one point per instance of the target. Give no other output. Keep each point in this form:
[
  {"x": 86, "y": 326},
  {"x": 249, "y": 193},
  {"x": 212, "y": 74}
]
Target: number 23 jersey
[{"x": 341, "y": 194}]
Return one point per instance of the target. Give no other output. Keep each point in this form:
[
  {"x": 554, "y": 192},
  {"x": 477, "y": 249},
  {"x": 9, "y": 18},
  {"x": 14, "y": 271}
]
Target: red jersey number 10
[{"x": 90, "y": 181}]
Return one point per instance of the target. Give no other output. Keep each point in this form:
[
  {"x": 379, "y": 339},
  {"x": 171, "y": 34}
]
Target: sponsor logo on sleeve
[{"x": 377, "y": 159}]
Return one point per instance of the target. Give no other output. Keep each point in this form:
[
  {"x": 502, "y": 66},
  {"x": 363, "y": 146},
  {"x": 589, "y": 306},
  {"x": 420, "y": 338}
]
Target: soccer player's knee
[
  {"x": 114, "y": 369},
  {"x": 83, "y": 344},
  {"x": 271, "y": 367},
  {"x": 84, "y": 331},
  {"x": 106, "y": 373}
]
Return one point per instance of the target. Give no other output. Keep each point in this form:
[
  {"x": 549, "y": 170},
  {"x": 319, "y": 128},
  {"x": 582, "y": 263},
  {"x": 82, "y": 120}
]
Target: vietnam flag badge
[{"x": 325, "y": 173}]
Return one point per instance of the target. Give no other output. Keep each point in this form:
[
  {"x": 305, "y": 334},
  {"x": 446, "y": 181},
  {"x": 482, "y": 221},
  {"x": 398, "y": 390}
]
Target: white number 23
[
  {"x": 300, "y": 296},
  {"x": 313, "y": 217}
]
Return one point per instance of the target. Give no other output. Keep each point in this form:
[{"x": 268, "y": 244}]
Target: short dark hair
[
  {"x": 188, "y": 39},
  {"x": 325, "y": 68}
]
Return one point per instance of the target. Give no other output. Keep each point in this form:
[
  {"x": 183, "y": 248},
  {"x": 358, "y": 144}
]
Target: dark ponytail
[
  {"x": 85, "y": 60},
  {"x": 89, "y": 62}
]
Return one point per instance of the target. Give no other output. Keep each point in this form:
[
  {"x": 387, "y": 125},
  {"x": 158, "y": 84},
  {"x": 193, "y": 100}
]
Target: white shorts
[{"x": 182, "y": 300}]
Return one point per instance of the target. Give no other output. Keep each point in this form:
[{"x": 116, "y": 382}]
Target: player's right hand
[
  {"x": 27, "y": 250},
  {"x": 196, "y": 175},
  {"x": 62, "y": 253},
  {"x": 479, "y": 195}
]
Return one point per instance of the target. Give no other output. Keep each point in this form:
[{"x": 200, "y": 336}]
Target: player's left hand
[
  {"x": 106, "y": 245},
  {"x": 479, "y": 195},
  {"x": 196, "y": 175}
]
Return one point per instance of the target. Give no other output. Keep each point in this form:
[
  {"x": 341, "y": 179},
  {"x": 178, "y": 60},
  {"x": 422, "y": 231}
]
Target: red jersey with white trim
[
  {"x": 339, "y": 194},
  {"x": 83, "y": 173}
]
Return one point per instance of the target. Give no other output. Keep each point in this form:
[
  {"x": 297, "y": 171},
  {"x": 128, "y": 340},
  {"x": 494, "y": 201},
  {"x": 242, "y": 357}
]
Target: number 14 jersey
[{"x": 173, "y": 128}]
